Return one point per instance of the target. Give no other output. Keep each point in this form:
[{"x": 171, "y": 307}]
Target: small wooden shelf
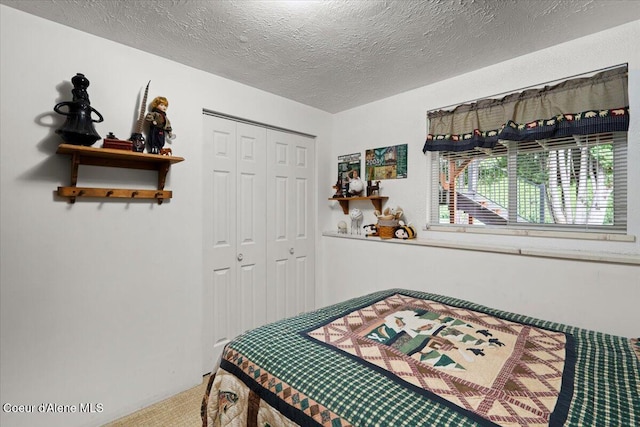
[
  {"x": 377, "y": 202},
  {"x": 109, "y": 157}
]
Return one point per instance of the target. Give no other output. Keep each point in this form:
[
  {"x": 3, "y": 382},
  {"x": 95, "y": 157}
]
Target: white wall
[
  {"x": 101, "y": 302},
  {"x": 598, "y": 296}
]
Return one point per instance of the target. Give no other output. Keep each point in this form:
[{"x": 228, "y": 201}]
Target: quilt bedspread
[{"x": 408, "y": 358}]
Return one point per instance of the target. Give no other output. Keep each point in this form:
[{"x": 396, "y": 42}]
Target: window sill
[
  {"x": 551, "y": 234},
  {"x": 609, "y": 258}
]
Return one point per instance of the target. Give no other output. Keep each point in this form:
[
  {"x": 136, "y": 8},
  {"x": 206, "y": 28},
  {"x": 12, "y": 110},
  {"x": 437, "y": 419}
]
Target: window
[
  {"x": 518, "y": 162},
  {"x": 576, "y": 183}
]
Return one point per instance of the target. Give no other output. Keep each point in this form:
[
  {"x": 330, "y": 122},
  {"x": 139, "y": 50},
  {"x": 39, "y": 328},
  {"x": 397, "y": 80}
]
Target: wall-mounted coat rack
[{"x": 82, "y": 155}]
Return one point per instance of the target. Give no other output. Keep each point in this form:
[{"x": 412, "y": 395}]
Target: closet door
[
  {"x": 290, "y": 230},
  {"x": 234, "y": 232}
]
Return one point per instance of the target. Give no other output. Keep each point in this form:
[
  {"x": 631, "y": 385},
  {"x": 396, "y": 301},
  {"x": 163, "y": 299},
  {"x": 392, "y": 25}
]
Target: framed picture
[
  {"x": 348, "y": 163},
  {"x": 386, "y": 163}
]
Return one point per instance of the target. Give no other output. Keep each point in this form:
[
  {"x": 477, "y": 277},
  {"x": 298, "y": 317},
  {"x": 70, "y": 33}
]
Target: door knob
[
  {"x": 291, "y": 251},
  {"x": 240, "y": 256}
]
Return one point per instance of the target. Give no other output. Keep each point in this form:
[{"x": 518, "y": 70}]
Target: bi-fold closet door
[{"x": 258, "y": 238}]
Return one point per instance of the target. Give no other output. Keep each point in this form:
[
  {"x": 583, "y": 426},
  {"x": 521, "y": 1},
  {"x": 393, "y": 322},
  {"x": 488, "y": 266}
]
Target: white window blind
[{"x": 576, "y": 183}]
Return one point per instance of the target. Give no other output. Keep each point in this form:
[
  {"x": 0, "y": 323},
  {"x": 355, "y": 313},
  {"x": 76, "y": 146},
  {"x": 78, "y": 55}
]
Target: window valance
[{"x": 578, "y": 106}]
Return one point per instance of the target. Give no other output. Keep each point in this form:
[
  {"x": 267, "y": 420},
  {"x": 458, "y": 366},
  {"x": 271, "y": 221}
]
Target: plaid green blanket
[{"x": 407, "y": 358}]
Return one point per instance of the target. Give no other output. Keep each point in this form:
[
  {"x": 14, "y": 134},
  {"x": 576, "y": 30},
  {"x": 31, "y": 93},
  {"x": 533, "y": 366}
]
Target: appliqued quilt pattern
[{"x": 504, "y": 371}]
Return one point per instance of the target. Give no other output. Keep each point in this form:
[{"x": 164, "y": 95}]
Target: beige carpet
[{"x": 183, "y": 409}]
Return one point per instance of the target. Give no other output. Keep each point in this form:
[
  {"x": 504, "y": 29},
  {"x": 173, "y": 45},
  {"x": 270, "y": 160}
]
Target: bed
[{"x": 408, "y": 358}]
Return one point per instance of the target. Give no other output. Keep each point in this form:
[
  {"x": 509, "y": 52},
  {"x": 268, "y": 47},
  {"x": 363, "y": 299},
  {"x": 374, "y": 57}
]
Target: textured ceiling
[{"x": 335, "y": 55}]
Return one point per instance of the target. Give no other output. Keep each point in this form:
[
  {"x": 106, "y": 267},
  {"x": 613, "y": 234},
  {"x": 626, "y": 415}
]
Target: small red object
[{"x": 118, "y": 144}]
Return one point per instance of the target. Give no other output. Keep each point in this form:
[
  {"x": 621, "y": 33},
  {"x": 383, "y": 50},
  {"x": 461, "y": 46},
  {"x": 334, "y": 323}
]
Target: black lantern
[{"x": 78, "y": 128}]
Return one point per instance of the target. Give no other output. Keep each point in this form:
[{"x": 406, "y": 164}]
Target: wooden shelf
[
  {"x": 377, "y": 202},
  {"x": 109, "y": 157}
]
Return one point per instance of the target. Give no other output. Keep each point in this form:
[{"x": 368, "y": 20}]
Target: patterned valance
[{"x": 574, "y": 107}]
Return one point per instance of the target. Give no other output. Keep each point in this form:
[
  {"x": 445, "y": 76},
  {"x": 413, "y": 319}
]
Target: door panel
[
  {"x": 222, "y": 183},
  {"x": 304, "y": 220},
  {"x": 258, "y": 242},
  {"x": 251, "y": 227},
  {"x": 219, "y": 239},
  {"x": 246, "y": 211},
  {"x": 280, "y": 283},
  {"x": 280, "y": 210},
  {"x": 234, "y": 232},
  {"x": 251, "y": 203},
  {"x": 222, "y": 214},
  {"x": 221, "y": 280},
  {"x": 290, "y": 206},
  {"x": 301, "y": 214},
  {"x": 251, "y": 310},
  {"x": 302, "y": 279}
]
